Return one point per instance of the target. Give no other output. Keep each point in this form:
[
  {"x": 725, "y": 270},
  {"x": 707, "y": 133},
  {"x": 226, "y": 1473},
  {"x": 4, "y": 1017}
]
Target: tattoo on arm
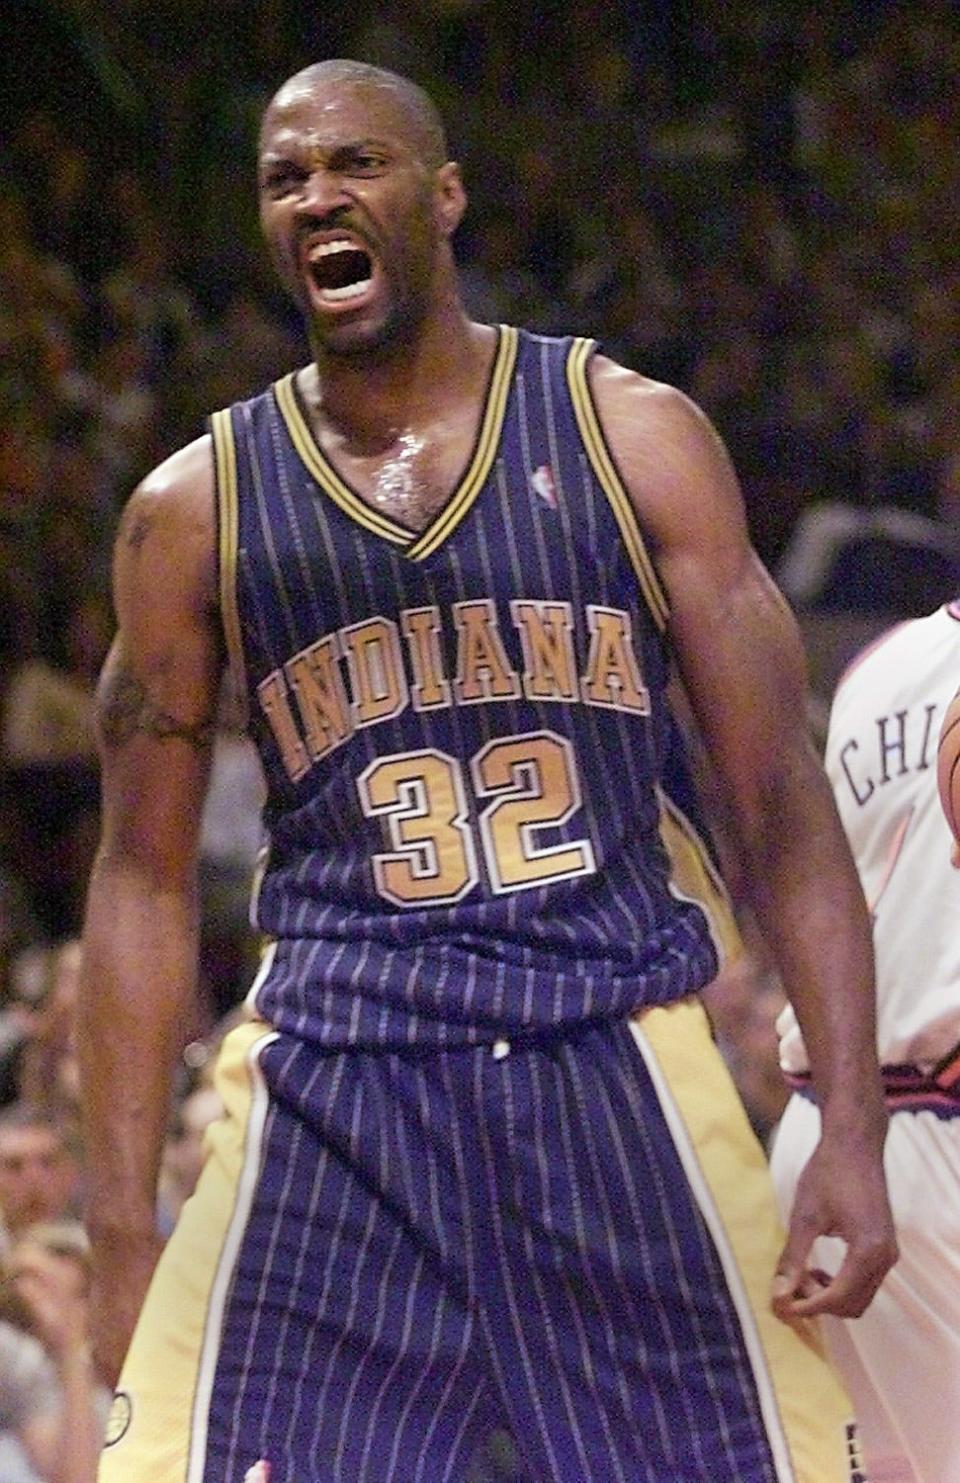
[
  {"x": 124, "y": 708},
  {"x": 135, "y": 528}
]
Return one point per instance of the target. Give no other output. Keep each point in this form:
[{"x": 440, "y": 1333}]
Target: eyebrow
[{"x": 346, "y": 146}]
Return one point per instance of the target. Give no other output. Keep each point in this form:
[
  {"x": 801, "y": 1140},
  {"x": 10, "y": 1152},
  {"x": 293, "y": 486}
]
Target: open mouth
[{"x": 340, "y": 270}]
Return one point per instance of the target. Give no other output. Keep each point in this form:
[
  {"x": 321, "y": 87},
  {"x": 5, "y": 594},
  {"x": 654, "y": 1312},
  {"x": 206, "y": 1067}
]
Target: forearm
[
  {"x": 803, "y": 886},
  {"x": 140, "y": 945}
]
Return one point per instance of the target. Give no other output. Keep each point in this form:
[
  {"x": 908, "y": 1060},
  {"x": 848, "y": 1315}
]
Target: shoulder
[
  {"x": 875, "y": 656},
  {"x": 619, "y": 389},
  {"x": 179, "y": 491},
  {"x": 669, "y": 455},
  {"x": 653, "y": 405},
  {"x": 912, "y": 651},
  {"x": 168, "y": 527}
]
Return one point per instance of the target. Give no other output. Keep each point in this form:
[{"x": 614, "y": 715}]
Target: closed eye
[
  {"x": 363, "y": 162},
  {"x": 280, "y": 180}
]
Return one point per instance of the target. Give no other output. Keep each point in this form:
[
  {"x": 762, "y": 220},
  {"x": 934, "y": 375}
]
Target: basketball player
[
  {"x": 459, "y": 1187},
  {"x": 901, "y": 1359}
]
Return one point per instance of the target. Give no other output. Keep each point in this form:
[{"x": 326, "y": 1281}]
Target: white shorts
[{"x": 901, "y": 1359}]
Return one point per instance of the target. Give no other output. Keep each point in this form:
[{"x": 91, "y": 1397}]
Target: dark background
[{"x": 758, "y": 204}]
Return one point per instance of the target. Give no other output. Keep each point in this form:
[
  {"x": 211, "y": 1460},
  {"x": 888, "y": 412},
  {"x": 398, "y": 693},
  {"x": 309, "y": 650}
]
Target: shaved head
[
  {"x": 423, "y": 124},
  {"x": 355, "y": 151}
]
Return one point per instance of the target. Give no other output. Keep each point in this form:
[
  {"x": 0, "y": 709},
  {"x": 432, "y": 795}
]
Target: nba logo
[{"x": 541, "y": 482}]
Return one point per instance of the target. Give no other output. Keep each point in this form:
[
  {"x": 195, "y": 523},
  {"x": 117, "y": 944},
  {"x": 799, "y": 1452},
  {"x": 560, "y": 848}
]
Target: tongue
[{"x": 339, "y": 269}]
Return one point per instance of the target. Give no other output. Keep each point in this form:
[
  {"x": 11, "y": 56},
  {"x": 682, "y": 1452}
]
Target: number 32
[{"x": 532, "y": 783}]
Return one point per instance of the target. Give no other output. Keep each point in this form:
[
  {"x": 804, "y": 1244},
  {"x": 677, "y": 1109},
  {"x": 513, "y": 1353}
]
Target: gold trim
[
  {"x": 487, "y": 444},
  {"x": 168, "y": 1370},
  {"x": 225, "y": 468},
  {"x": 804, "y": 1409},
  {"x": 325, "y": 474},
  {"x": 695, "y": 877},
  {"x": 610, "y": 482},
  {"x": 488, "y": 440}
]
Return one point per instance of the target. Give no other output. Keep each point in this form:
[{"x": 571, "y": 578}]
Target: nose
[{"x": 322, "y": 194}]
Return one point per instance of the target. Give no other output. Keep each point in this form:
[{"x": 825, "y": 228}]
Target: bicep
[
  {"x": 740, "y": 656},
  {"x": 157, "y": 698},
  {"x": 155, "y": 744},
  {"x": 736, "y": 644}
]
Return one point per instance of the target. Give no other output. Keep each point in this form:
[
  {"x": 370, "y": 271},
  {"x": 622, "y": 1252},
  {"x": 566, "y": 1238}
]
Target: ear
[{"x": 450, "y": 198}]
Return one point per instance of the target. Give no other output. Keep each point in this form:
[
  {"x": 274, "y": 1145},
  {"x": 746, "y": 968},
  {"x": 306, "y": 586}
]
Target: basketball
[{"x": 948, "y": 765}]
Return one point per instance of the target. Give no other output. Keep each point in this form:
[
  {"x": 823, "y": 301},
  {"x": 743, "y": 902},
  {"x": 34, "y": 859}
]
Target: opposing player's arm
[
  {"x": 155, "y": 717},
  {"x": 743, "y": 668}
]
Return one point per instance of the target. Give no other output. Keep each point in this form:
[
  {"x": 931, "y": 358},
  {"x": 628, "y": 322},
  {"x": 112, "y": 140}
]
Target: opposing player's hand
[
  {"x": 121, "y": 1272},
  {"x": 841, "y": 1192}
]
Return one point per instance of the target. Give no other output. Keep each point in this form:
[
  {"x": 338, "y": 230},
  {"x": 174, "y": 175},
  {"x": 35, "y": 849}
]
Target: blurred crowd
[{"x": 757, "y": 204}]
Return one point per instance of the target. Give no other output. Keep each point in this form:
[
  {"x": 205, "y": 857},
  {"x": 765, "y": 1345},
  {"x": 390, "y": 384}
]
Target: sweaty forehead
[{"x": 327, "y": 114}]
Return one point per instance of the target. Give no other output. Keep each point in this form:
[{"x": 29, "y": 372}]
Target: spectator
[
  {"x": 49, "y": 1079},
  {"x": 184, "y": 1151},
  {"x": 29, "y": 1405},
  {"x": 39, "y": 1171},
  {"x": 49, "y": 754},
  {"x": 52, "y": 1410}
]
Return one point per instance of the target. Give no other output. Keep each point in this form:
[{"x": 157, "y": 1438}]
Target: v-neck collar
[{"x": 415, "y": 544}]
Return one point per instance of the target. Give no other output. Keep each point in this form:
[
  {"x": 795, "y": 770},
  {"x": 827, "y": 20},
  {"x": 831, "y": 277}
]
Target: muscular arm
[
  {"x": 155, "y": 717},
  {"x": 742, "y": 666}
]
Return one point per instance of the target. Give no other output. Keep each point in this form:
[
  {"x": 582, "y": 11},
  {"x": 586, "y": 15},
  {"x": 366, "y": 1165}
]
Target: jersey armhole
[
  {"x": 605, "y": 471},
  {"x": 227, "y": 511}
]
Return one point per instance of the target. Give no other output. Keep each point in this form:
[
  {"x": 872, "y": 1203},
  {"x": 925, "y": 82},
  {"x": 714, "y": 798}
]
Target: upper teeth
[{"x": 324, "y": 249}]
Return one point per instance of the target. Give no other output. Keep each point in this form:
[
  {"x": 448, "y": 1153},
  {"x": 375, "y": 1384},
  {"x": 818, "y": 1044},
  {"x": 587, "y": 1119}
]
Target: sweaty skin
[
  {"x": 742, "y": 665},
  {"x": 399, "y": 373},
  {"x": 155, "y": 709}
]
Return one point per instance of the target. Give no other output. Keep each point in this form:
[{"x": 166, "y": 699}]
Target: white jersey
[{"x": 881, "y": 758}]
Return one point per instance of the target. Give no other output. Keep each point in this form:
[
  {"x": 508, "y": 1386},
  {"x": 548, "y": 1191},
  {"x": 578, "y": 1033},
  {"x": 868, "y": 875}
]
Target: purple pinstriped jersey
[{"x": 463, "y": 730}]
